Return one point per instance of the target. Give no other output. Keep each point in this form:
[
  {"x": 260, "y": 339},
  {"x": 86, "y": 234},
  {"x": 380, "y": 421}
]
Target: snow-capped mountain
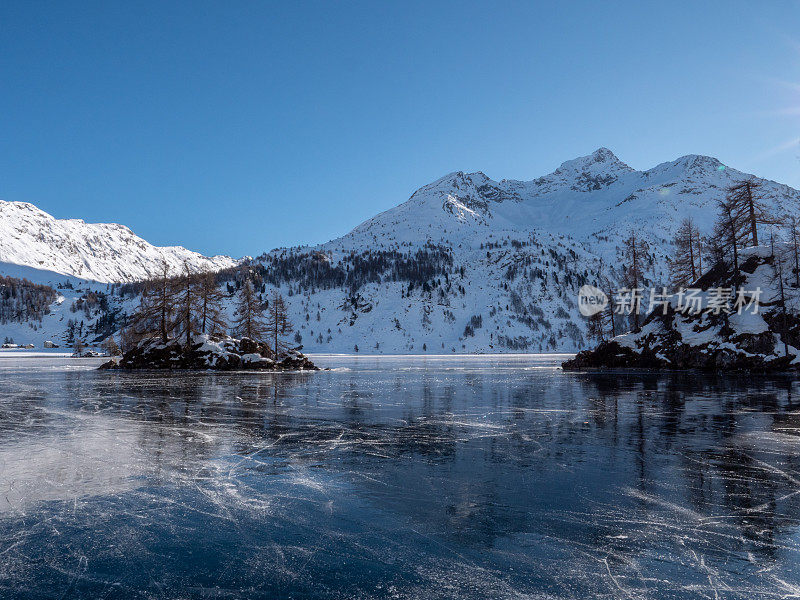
[
  {"x": 467, "y": 263},
  {"x": 103, "y": 252},
  {"x": 518, "y": 252}
]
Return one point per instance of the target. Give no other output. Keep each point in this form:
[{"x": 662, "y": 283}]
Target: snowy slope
[
  {"x": 53, "y": 326},
  {"x": 103, "y": 252},
  {"x": 51, "y": 278}
]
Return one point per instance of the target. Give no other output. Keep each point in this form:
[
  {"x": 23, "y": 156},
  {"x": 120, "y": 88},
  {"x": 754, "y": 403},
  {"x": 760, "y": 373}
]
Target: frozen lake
[{"x": 453, "y": 477}]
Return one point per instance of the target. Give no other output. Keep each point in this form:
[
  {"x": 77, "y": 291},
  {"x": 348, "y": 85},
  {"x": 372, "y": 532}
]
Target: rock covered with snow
[
  {"x": 760, "y": 337},
  {"x": 227, "y": 354}
]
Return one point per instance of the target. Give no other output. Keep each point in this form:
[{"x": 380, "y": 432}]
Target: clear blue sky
[{"x": 236, "y": 127}]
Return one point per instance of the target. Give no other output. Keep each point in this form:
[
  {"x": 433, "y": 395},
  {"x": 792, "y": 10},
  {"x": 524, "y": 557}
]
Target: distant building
[{"x": 49, "y": 344}]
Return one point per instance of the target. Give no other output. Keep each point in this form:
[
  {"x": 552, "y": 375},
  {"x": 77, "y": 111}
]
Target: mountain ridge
[
  {"x": 562, "y": 194},
  {"x": 102, "y": 252}
]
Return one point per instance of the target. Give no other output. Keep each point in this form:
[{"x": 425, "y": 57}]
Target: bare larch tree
[
  {"x": 278, "y": 323},
  {"x": 156, "y": 306},
  {"x": 187, "y": 305},
  {"x": 794, "y": 235},
  {"x": 209, "y": 298},
  {"x": 778, "y": 273},
  {"x": 727, "y": 237},
  {"x": 249, "y": 319},
  {"x": 595, "y": 327},
  {"x": 607, "y": 315},
  {"x": 685, "y": 262},
  {"x": 748, "y": 211},
  {"x": 635, "y": 251}
]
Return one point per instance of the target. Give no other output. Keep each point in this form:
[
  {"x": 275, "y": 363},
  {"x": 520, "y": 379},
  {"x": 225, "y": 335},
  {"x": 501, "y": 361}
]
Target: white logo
[{"x": 591, "y": 300}]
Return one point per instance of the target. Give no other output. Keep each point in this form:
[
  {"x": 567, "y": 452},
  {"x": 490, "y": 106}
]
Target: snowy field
[
  {"x": 17, "y": 354},
  {"x": 396, "y": 477}
]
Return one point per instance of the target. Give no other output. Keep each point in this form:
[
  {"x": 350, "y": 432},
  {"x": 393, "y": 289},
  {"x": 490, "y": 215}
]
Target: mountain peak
[
  {"x": 700, "y": 162},
  {"x": 691, "y": 164},
  {"x": 601, "y": 160},
  {"x": 13, "y": 205},
  {"x": 603, "y": 154}
]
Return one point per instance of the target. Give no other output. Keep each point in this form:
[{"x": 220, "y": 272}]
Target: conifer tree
[
  {"x": 778, "y": 274},
  {"x": 595, "y": 326},
  {"x": 187, "y": 305},
  {"x": 110, "y": 346},
  {"x": 606, "y": 316},
  {"x": 795, "y": 249},
  {"x": 700, "y": 249},
  {"x": 727, "y": 233},
  {"x": 747, "y": 210},
  {"x": 128, "y": 338}
]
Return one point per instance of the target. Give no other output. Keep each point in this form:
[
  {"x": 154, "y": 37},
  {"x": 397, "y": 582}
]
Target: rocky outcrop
[
  {"x": 763, "y": 337},
  {"x": 227, "y": 354}
]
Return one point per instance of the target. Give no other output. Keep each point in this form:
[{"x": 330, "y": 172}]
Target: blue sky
[{"x": 237, "y": 127}]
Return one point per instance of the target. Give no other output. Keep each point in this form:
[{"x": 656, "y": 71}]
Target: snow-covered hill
[
  {"x": 103, "y": 252},
  {"x": 466, "y": 264}
]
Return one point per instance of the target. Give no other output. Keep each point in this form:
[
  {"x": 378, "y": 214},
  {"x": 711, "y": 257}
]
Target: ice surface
[{"x": 398, "y": 477}]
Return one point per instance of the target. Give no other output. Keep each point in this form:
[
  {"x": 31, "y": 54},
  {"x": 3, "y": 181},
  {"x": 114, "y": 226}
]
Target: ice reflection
[{"x": 461, "y": 477}]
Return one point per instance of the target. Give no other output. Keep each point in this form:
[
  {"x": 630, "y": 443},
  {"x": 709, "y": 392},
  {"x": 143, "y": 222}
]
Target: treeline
[
  {"x": 168, "y": 305},
  {"x": 313, "y": 270},
  {"x": 22, "y": 300}
]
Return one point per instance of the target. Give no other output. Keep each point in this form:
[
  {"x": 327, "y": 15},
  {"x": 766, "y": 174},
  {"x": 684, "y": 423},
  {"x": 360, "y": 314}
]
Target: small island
[
  {"x": 181, "y": 324},
  {"x": 228, "y": 354}
]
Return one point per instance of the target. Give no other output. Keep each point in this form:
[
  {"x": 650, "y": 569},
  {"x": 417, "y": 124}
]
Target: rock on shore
[{"x": 757, "y": 340}]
